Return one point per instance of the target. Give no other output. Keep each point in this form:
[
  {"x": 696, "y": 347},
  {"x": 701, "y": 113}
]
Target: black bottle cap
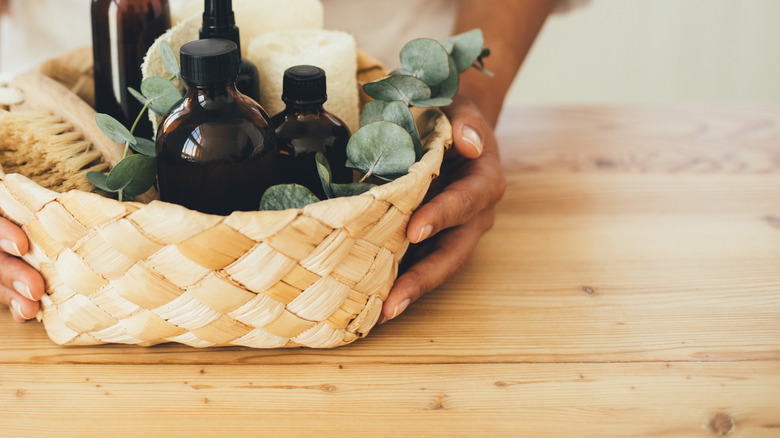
[
  {"x": 209, "y": 61},
  {"x": 304, "y": 85},
  {"x": 219, "y": 21}
]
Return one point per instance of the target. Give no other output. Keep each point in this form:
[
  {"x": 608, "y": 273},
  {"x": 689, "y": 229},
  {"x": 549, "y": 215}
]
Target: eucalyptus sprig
[
  {"x": 137, "y": 173},
  {"x": 388, "y": 143}
]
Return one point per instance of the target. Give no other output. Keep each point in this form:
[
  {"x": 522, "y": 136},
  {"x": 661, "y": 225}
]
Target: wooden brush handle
[{"x": 44, "y": 93}]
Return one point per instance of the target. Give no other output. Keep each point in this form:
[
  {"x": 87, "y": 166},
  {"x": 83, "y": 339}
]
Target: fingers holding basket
[
  {"x": 478, "y": 185},
  {"x": 448, "y": 253},
  {"x": 21, "y": 286},
  {"x": 12, "y": 239}
]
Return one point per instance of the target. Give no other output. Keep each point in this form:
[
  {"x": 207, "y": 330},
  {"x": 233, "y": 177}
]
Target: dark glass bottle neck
[
  {"x": 308, "y": 108},
  {"x": 213, "y": 90}
]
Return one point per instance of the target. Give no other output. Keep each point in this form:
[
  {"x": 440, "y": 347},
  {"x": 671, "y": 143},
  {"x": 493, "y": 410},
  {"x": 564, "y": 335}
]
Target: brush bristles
[{"x": 47, "y": 150}]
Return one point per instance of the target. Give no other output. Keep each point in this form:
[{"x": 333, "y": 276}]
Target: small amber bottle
[
  {"x": 305, "y": 128},
  {"x": 122, "y": 32},
  {"x": 215, "y": 148},
  {"x": 219, "y": 22}
]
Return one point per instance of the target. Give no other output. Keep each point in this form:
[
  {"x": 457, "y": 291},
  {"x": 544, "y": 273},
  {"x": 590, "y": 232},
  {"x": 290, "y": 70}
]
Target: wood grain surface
[{"x": 630, "y": 287}]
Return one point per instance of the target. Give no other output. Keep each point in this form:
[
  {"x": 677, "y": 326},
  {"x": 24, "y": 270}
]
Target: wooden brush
[{"x": 47, "y": 150}]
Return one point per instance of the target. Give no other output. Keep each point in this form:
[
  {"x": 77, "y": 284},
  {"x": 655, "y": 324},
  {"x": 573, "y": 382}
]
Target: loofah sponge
[{"x": 331, "y": 50}]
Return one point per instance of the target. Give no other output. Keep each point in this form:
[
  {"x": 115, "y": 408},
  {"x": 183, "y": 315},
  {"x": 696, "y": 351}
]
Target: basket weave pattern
[{"x": 152, "y": 273}]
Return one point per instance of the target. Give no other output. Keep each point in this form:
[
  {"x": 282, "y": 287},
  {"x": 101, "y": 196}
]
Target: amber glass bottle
[
  {"x": 220, "y": 22},
  {"x": 215, "y": 148},
  {"x": 305, "y": 128},
  {"x": 122, "y": 32}
]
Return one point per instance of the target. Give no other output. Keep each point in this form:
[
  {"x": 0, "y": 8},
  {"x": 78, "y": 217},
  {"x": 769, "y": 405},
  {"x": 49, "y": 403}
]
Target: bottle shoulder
[{"x": 314, "y": 120}]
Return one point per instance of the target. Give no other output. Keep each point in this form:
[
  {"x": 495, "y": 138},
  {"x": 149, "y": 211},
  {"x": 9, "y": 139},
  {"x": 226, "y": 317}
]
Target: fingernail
[
  {"x": 401, "y": 307},
  {"x": 17, "y": 309},
  {"x": 23, "y": 289},
  {"x": 382, "y": 319},
  {"x": 471, "y": 136},
  {"x": 10, "y": 247},
  {"x": 424, "y": 233}
]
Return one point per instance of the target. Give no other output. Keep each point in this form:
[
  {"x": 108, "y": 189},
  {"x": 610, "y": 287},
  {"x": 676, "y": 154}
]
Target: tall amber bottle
[
  {"x": 305, "y": 128},
  {"x": 215, "y": 148},
  {"x": 122, "y": 32}
]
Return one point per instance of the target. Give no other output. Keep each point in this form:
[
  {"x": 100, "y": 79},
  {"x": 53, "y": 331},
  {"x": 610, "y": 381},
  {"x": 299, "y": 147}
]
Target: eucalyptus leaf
[
  {"x": 323, "y": 169},
  {"x": 113, "y": 129},
  {"x": 354, "y": 189},
  {"x": 98, "y": 180},
  {"x": 398, "y": 87},
  {"x": 448, "y": 45},
  {"x": 467, "y": 47},
  {"x": 372, "y": 112},
  {"x": 381, "y": 148},
  {"x": 169, "y": 59},
  {"x": 400, "y": 71},
  {"x": 449, "y": 88},
  {"x": 138, "y": 96},
  {"x": 145, "y": 146},
  {"x": 398, "y": 112},
  {"x": 162, "y": 94},
  {"x": 427, "y": 60},
  {"x": 430, "y": 103},
  {"x": 133, "y": 175},
  {"x": 392, "y": 176},
  {"x": 284, "y": 196}
]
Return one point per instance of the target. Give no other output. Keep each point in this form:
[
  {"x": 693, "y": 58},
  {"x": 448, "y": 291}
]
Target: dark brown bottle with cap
[
  {"x": 215, "y": 148},
  {"x": 305, "y": 128},
  {"x": 122, "y": 32},
  {"x": 219, "y": 22}
]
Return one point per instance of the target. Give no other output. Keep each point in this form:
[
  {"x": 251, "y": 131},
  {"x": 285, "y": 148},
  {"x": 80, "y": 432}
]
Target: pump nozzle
[{"x": 219, "y": 21}]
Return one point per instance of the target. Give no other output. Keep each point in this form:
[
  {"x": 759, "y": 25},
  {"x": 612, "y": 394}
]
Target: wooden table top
[{"x": 630, "y": 287}]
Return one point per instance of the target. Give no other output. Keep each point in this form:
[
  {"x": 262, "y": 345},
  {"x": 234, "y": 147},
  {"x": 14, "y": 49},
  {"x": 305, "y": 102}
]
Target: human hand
[
  {"x": 452, "y": 222},
  {"x": 21, "y": 286}
]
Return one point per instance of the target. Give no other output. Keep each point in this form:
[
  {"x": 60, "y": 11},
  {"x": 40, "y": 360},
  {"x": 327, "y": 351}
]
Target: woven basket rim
[{"x": 435, "y": 142}]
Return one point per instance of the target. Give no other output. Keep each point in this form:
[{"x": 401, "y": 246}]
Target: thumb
[{"x": 469, "y": 128}]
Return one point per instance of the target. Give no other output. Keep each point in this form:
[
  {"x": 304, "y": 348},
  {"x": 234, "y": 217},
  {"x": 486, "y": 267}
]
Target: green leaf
[
  {"x": 397, "y": 112},
  {"x": 113, "y": 129},
  {"x": 449, "y": 88},
  {"x": 145, "y": 146},
  {"x": 323, "y": 168},
  {"x": 138, "y": 96},
  {"x": 398, "y": 87},
  {"x": 430, "y": 103},
  {"x": 133, "y": 175},
  {"x": 400, "y": 71},
  {"x": 161, "y": 92},
  {"x": 381, "y": 148},
  {"x": 392, "y": 176},
  {"x": 169, "y": 59},
  {"x": 284, "y": 196},
  {"x": 372, "y": 112},
  {"x": 98, "y": 180},
  {"x": 467, "y": 47},
  {"x": 448, "y": 45},
  {"x": 354, "y": 189},
  {"x": 427, "y": 60}
]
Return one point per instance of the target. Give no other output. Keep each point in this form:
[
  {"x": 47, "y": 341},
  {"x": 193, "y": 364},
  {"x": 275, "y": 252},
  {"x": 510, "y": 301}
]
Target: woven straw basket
[{"x": 152, "y": 273}]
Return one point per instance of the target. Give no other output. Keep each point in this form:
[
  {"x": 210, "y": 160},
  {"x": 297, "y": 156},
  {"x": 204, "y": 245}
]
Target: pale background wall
[{"x": 648, "y": 51}]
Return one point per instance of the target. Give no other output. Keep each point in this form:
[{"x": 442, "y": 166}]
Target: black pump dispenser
[{"x": 219, "y": 21}]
